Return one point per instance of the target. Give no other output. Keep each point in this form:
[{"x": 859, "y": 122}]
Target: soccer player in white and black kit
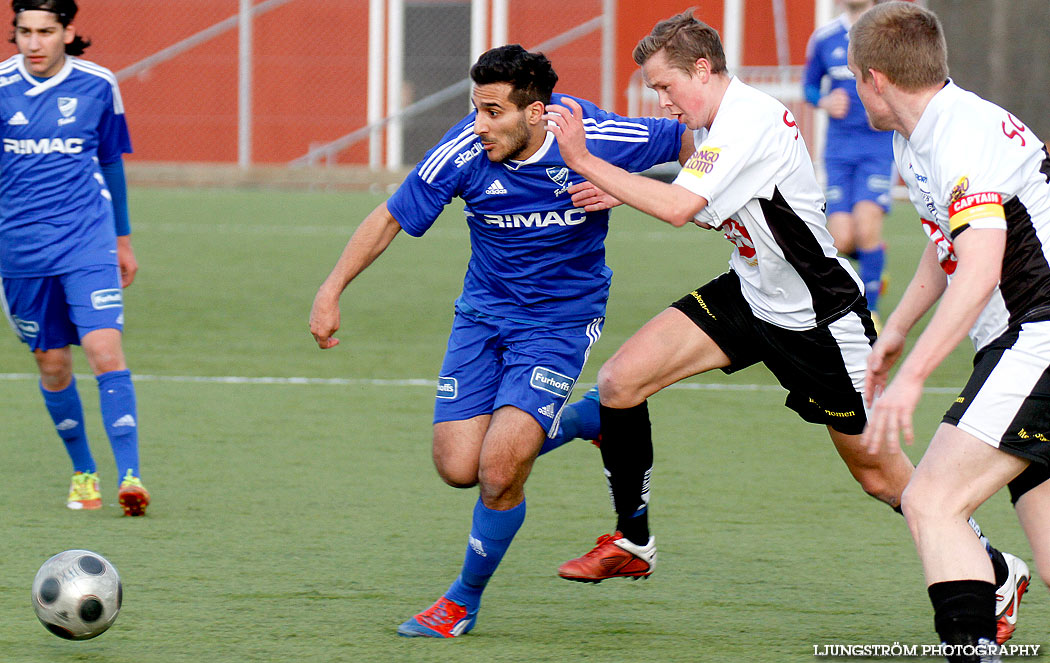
[
  {"x": 788, "y": 301},
  {"x": 981, "y": 181},
  {"x": 65, "y": 239}
]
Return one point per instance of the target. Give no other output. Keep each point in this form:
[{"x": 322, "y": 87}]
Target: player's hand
[
  {"x": 891, "y": 416},
  {"x": 836, "y": 103},
  {"x": 884, "y": 355},
  {"x": 566, "y": 123},
  {"x": 129, "y": 266},
  {"x": 591, "y": 198},
  {"x": 324, "y": 319}
]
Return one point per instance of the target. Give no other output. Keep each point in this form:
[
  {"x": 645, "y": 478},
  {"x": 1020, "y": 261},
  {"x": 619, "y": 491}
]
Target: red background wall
[{"x": 310, "y": 66}]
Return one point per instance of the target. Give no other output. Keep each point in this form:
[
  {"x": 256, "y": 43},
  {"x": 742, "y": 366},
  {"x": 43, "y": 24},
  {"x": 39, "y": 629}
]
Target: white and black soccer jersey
[
  {"x": 753, "y": 168},
  {"x": 992, "y": 321},
  {"x": 56, "y": 215},
  {"x": 534, "y": 256},
  {"x": 971, "y": 164}
]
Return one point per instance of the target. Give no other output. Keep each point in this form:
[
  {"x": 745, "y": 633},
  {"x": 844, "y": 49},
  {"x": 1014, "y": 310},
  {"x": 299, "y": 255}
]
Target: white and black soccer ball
[{"x": 77, "y": 594}]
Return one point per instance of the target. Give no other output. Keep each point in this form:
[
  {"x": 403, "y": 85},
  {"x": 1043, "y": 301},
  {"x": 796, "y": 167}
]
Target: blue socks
[
  {"x": 490, "y": 536},
  {"x": 116, "y": 396},
  {"x": 870, "y": 265},
  {"x": 68, "y": 414},
  {"x": 580, "y": 419}
]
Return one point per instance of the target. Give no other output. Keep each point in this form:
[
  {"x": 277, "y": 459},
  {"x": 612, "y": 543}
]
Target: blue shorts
[
  {"x": 50, "y": 312},
  {"x": 491, "y": 362},
  {"x": 862, "y": 175}
]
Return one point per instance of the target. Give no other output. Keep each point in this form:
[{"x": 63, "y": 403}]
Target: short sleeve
[
  {"x": 632, "y": 143},
  {"x": 737, "y": 162},
  {"x": 435, "y": 180},
  {"x": 972, "y": 195},
  {"x": 416, "y": 204},
  {"x": 113, "y": 137}
]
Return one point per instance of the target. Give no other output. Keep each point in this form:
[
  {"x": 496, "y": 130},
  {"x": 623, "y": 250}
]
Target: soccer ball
[{"x": 77, "y": 594}]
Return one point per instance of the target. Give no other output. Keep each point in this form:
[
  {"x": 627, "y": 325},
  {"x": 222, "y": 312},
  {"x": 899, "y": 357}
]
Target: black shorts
[
  {"x": 822, "y": 368},
  {"x": 1006, "y": 402}
]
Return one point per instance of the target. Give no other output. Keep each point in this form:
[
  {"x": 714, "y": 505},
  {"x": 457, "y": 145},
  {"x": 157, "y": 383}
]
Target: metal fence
[{"x": 273, "y": 81}]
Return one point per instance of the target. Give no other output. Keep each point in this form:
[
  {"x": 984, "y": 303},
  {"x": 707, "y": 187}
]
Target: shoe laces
[
  {"x": 84, "y": 486},
  {"x": 131, "y": 480},
  {"x": 439, "y": 614},
  {"x": 602, "y": 540}
]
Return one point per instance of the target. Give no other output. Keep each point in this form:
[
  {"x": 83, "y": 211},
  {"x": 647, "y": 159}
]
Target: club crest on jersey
[
  {"x": 559, "y": 176},
  {"x": 547, "y": 380},
  {"x": 67, "y": 106},
  {"x": 960, "y": 189},
  {"x": 108, "y": 298}
]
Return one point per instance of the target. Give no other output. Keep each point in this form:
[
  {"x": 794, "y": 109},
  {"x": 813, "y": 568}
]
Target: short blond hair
[
  {"x": 684, "y": 40},
  {"x": 903, "y": 41}
]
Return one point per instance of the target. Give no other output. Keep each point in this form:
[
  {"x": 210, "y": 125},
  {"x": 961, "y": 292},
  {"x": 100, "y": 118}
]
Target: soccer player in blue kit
[
  {"x": 65, "y": 246},
  {"x": 533, "y": 299},
  {"x": 857, "y": 158}
]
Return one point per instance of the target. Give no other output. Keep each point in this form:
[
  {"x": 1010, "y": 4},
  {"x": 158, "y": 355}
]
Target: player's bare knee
[
  {"x": 921, "y": 505},
  {"x": 615, "y": 387},
  {"x": 456, "y": 472},
  {"x": 106, "y": 360},
  {"x": 877, "y": 485},
  {"x": 460, "y": 479},
  {"x": 56, "y": 373},
  {"x": 500, "y": 490}
]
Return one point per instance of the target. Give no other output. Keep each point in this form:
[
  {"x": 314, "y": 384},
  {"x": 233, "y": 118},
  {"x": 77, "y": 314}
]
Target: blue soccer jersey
[
  {"x": 826, "y": 56},
  {"x": 55, "y": 212},
  {"x": 535, "y": 257}
]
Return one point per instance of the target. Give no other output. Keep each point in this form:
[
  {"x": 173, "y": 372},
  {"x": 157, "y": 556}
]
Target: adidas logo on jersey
[
  {"x": 495, "y": 188},
  {"x": 547, "y": 410},
  {"x": 126, "y": 420},
  {"x": 18, "y": 119}
]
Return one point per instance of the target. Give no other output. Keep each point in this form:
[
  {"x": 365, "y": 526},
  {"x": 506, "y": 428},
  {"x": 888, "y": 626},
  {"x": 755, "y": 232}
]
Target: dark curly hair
[
  {"x": 65, "y": 10},
  {"x": 530, "y": 74}
]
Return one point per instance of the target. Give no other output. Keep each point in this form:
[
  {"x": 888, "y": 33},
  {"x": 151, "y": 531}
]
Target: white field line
[
  {"x": 396, "y": 382},
  {"x": 341, "y": 231}
]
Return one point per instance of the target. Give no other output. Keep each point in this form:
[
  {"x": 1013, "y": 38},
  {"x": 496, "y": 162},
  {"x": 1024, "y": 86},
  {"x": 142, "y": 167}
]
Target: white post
[
  {"x": 376, "y": 18},
  {"x": 608, "y": 54},
  {"x": 500, "y": 21},
  {"x": 244, "y": 85},
  {"x": 479, "y": 24},
  {"x": 823, "y": 12},
  {"x": 733, "y": 34},
  {"x": 395, "y": 77}
]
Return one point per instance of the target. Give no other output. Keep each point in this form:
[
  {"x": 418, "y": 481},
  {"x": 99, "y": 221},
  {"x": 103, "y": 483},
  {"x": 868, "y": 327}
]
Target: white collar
[
  {"x": 536, "y": 156},
  {"x": 38, "y": 87}
]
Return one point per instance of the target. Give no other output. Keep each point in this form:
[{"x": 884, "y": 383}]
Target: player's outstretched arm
[
  {"x": 667, "y": 202},
  {"x": 980, "y": 253},
  {"x": 370, "y": 239},
  {"x": 593, "y": 199},
  {"x": 922, "y": 293}
]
